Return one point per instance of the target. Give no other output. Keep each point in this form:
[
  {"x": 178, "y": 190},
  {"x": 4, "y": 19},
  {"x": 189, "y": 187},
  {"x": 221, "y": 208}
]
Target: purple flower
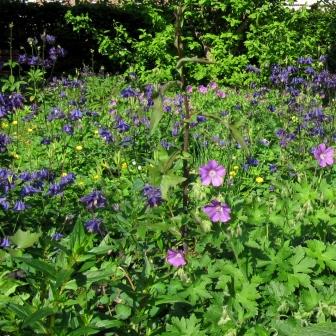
[
  {"x": 93, "y": 225},
  {"x": 4, "y": 203},
  {"x": 68, "y": 129},
  {"x": 122, "y": 126},
  {"x": 218, "y": 211},
  {"x": 201, "y": 119},
  {"x": 175, "y": 258},
  {"x": 67, "y": 179},
  {"x": 57, "y": 236},
  {"x": 5, "y": 242},
  {"x": 22, "y": 59},
  {"x": 28, "y": 190},
  {"x": 202, "y": 89},
  {"x": 55, "y": 189},
  {"x": 212, "y": 173},
  {"x": 75, "y": 115},
  {"x": 19, "y": 206},
  {"x": 273, "y": 168},
  {"x": 94, "y": 200},
  {"x": 153, "y": 195},
  {"x": 106, "y": 135},
  {"x": 324, "y": 155}
]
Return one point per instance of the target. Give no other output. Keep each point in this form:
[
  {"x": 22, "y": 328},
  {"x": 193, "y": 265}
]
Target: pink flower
[
  {"x": 221, "y": 94},
  {"x": 176, "y": 258},
  {"x": 324, "y": 155},
  {"x": 189, "y": 89},
  {"x": 218, "y": 211},
  {"x": 213, "y": 85},
  {"x": 202, "y": 89},
  {"x": 212, "y": 173}
]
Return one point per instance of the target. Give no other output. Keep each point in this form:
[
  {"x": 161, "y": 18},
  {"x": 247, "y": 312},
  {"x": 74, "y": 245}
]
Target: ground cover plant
[{"x": 166, "y": 209}]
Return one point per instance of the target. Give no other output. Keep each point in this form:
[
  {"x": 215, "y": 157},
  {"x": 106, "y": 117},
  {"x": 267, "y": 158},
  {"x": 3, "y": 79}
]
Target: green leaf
[
  {"x": 238, "y": 136},
  {"x": 170, "y": 181},
  {"x": 156, "y": 114},
  {"x": 84, "y": 331},
  {"x": 24, "y": 239},
  {"x": 123, "y": 311},
  {"x": 41, "y": 266},
  {"x": 38, "y": 315},
  {"x": 106, "y": 324}
]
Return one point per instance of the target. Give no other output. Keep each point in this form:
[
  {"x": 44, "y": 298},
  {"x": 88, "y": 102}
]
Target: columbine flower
[
  {"x": 5, "y": 242},
  {"x": 94, "y": 200},
  {"x": 19, "y": 206},
  {"x": 153, "y": 195},
  {"x": 176, "y": 258},
  {"x": 212, "y": 173},
  {"x": 324, "y": 155},
  {"x": 4, "y": 203},
  {"x": 57, "y": 236},
  {"x": 93, "y": 225},
  {"x": 218, "y": 211}
]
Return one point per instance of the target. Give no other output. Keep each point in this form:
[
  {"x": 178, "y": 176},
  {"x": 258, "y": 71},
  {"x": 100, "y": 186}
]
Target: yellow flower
[
  {"x": 64, "y": 174},
  {"x": 233, "y": 173},
  {"x": 235, "y": 167},
  {"x": 96, "y": 131},
  {"x": 124, "y": 165},
  {"x": 30, "y": 130},
  {"x": 295, "y": 119},
  {"x": 259, "y": 179},
  {"x": 4, "y": 125},
  {"x": 15, "y": 122},
  {"x": 96, "y": 177},
  {"x": 79, "y": 148},
  {"x": 16, "y": 156}
]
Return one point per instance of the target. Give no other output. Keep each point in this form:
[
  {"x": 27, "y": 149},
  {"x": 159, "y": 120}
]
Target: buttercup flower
[
  {"x": 259, "y": 179},
  {"x": 212, "y": 173},
  {"x": 218, "y": 211},
  {"x": 324, "y": 155},
  {"x": 176, "y": 258}
]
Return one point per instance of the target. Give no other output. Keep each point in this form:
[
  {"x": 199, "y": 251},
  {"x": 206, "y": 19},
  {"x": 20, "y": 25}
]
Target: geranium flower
[
  {"x": 324, "y": 155},
  {"x": 176, "y": 258},
  {"x": 218, "y": 211},
  {"x": 212, "y": 173}
]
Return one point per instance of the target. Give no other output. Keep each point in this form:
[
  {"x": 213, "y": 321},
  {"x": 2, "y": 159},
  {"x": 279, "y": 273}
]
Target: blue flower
[
  {"x": 4, "y": 203},
  {"x": 93, "y": 225},
  {"x": 153, "y": 195},
  {"x": 75, "y": 115},
  {"x": 57, "y": 236},
  {"x": 94, "y": 200},
  {"x": 19, "y": 206},
  {"x": 5, "y": 242},
  {"x": 122, "y": 126}
]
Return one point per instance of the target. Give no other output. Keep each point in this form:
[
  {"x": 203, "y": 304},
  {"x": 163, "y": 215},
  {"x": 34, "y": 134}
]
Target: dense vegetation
[{"x": 145, "y": 204}]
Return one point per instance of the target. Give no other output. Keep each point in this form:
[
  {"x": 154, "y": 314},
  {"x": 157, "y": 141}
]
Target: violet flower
[
  {"x": 218, "y": 211},
  {"x": 212, "y": 173},
  {"x": 324, "y": 155},
  {"x": 176, "y": 258}
]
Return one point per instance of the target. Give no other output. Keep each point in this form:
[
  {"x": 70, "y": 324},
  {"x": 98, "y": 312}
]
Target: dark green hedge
[{"x": 31, "y": 19}]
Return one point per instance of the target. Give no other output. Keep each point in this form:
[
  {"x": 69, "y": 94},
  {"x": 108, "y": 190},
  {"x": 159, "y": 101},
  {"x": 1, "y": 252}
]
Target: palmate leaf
[
  {"x": 184, "y": 327},
  {"x": 289, "y": 328},
  {"x": 24, "y": 239},
  {"x": 170, "y": 181}
]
